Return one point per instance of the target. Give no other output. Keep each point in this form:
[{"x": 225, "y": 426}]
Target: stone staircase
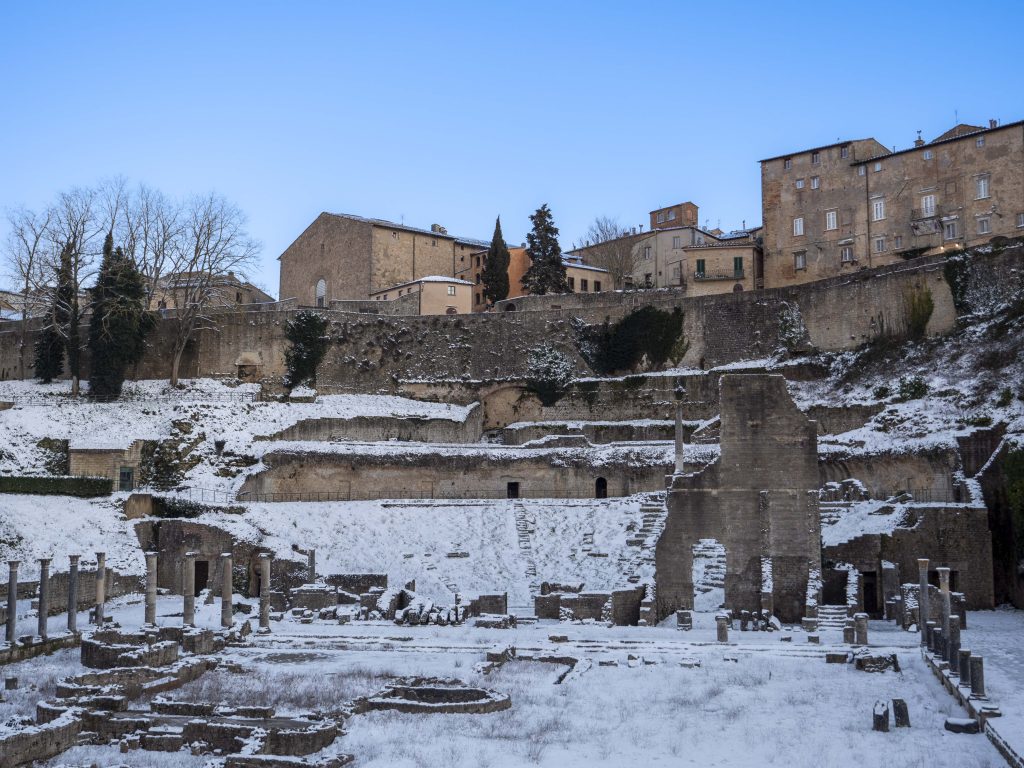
[
  {"x": 640, "y": 545},
  {"x": 831, "y": 617},
  {"x": 708, "y": 433},
  {"x": 525, "y": 527},
  {"x": 709, "y": 560}
]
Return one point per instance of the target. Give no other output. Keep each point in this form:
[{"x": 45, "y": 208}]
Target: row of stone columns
[
  {"x": 188, "y": 589},
  {"x": 42, "y": 630}
]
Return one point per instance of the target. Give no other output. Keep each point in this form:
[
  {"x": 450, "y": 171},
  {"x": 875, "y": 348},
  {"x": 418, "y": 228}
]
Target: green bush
[
  {"x": 84, "y": 487},
  {"x": 880, "y": 393},
  {"x": 307, "y": 344},
  {"x": 913, "y": 388},
  {"x": 647, "y": 333},
  {"x": 1005, "y": 398}
]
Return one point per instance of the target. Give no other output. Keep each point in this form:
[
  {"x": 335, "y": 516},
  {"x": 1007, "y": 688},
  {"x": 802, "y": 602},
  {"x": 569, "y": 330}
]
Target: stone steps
[{"x": 831, "y": 616}]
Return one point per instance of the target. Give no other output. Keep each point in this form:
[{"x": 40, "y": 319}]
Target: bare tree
[
  {"x": 212, "y": 243},
  {"x": 151, "y": 233},
  {"x": 26, "y": 256},
  {"x": 610, "y": 246}
]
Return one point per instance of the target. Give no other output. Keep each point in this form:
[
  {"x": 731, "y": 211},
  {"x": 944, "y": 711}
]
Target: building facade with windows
[
  {"x": 856, "y": 204},
  {"x": 432, "y": 295},
  {"x": 342, "y": 257}
]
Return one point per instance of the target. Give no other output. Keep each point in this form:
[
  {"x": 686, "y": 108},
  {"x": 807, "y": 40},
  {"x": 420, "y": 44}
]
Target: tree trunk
[{"x": 176, "y": 363}]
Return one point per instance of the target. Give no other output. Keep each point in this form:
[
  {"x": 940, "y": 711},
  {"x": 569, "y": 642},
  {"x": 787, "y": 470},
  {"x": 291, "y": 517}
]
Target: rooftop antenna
[{"x": 956, "y": 117}]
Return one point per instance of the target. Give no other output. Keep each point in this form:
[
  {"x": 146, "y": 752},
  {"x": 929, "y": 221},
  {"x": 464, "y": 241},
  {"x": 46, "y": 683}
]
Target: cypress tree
[
  {"x": 547, "y": 272},
  {"x": 119, "y": 323},
  {"x": 49, "y": 353},
  {"x": 495, "y": 273},
  {"x": 52, "y": 344}
]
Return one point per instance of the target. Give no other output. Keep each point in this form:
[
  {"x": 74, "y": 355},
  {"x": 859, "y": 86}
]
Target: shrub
[
  {"x": 307, "y": 345},
  {"x": 548, "y": 373},
  {"x": 912, "y": 388},
  {"x": 880, "y": 393},
  {"x": 83, "y": 487},
  {"x": 1005, "y": 398},
  {"x": 645, "y": 334}
]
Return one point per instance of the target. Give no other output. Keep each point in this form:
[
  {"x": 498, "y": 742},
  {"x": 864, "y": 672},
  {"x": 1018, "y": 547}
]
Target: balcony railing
[{"x": 736, "y": 274}]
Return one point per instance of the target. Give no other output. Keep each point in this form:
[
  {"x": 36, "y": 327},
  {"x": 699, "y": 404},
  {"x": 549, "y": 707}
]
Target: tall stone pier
[
  {"x": 227, "y": 595},
  {"x": 101, "y": 586},
  {"x": 44, "y": 596},
  {"x": 922, "y": 599},
  {"x": 151, "y": 588},
  {"x": 311, "y": 561},
  {"x": 12, "y": 600},
  {"x": 188, "y": 590},
  {"x": 73, "y": 594},
  {"x": 944, "y": 596},
  {"x": 265, "y": 591}
]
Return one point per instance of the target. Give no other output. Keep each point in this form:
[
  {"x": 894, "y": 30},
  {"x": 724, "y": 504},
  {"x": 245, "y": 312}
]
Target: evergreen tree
[
  {"x": 495, "y": 273},
  {"x": 49, "y": 358},
  {"x": 66, "y": 313},
  {"x": 547, "y": 272},
  {"x": 308, "y": 342},
  {"x": 52, "y": 344},
  {"x": 119, "y": 323}
]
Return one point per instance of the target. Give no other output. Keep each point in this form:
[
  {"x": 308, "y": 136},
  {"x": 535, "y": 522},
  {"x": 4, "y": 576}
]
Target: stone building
[
  {"x": 344, "y": 257},
  {"x": 119, "y": 464},
  {"x": 582, "y": 278},
  {"x": 677, "y": 253},
  {"x": 856, "y": 204},
  {"x": 433, "y": 295},
  {"x": 228, "y": 290}
]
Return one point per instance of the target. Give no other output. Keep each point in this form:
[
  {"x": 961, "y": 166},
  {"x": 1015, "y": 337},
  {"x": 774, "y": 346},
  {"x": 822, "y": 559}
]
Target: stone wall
[
  {"x": 381, "y": 428},
  {"x": 930, "y": 471}
]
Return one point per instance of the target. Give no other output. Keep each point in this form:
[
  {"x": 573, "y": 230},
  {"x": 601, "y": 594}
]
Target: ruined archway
[{"x": 708, "y": 574}]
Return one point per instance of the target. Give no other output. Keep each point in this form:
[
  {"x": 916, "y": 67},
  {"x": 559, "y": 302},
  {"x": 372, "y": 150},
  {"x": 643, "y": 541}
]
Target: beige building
[
  {"x": 433, "y": 295},
  {"x": 855, "y": 204},
  {"x": 582, "y": 278},
  {"x": 346, "y": 257},
  {"x": 676, "y": 253},
  {"x": 120, "y": 465},
  {"x": 227, "y": 290}
]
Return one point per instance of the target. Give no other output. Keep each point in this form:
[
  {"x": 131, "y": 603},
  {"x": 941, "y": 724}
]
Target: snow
[{"x": 861, "y": 518}]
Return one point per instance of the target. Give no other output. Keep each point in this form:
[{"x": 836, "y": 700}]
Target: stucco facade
[{"x": 434, "y": 295}]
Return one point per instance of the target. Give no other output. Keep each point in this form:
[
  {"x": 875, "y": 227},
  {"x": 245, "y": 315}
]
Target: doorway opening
[
  {"x": 512, "y": 490},
  {"x": 202, "y": 575}
]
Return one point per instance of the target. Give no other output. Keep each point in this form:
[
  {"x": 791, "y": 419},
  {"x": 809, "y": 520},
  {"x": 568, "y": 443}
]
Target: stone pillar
[
  {"x": 44, "y": 596},
  {"x": 151, "y": 588},
  {"x": 722, "y": 623},
  {"x": 680, "y": 449},
  {"x": 227, "y": 594},
  {"x": 73, "y": 594},
  {"x": 953, "y": 645},
  {"x": 12, "y": 600},
  {"x": 929, "y": 635},
  {"x": 922, "y": 599},
  {"x": 849, "y": 633},
  {"x": 101, "y": 586},
  {"x": 945, "y": 598},
  {"x": 265, "y": 592},
  {"x": 860, "y": 626},
  {"x": 977, "y": 664},
  {"x": 188, "y": 590},
  {"x": 964, "y": 664},
  {"x": 311, "y": 558}
]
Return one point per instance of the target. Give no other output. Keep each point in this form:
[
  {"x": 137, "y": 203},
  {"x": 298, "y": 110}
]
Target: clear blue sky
[{"x": 455, "y": 113}]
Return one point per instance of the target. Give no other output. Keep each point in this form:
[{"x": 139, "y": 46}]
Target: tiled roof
[{"x": 407, "y": 228}]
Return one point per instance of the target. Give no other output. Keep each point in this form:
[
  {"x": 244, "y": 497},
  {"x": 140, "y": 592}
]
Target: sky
[{"x": 456, "y": 113}]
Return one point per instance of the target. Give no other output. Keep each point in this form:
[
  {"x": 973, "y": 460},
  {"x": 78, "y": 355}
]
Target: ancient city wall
[{"x": 380, "y": 428}]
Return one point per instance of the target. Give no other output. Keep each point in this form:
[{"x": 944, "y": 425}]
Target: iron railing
[
  {"x": 736, "y": 274},
  {"x": 400, "y": 494},
  {"x": 184, "y": 396}
]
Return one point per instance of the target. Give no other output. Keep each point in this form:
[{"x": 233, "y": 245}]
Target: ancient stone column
[
  {"x": 944, "y": 597},
  {"x": 12, "y": 600},
  {"x": 900, "y": 713},
  {"x": 977, "y": 664},
  {"x": 680, "y": 449},
  {"x": 188, "y": 590},
  {"x": 151, "y": 588},
  {"x": 73, "y": 594},
  {"x": 44, "y": 596},
  {"x": 922, "y": 599},
  {"x": 101, "y": 586},
  {"x": 953, "y": 645},
  {"x": 722, "y": 623},
  {"x": 265, "y": 592},
  {"x": 929, "y": 635},
  {"x": 227, "y": 596},
  {"x": 849, "y": 633},
  {"x": 860, "y": 626},
  {"x": 311, "y": 557},
  {"x": 964, "y": 665}
]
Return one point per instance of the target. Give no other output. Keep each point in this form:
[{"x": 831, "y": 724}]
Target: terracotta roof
[{"x": 941, "y": 140}]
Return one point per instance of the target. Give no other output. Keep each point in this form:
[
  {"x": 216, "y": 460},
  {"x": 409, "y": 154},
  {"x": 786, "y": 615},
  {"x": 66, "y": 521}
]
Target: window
[
  {"x": 572, "y": 283},
  {"x": 831, "y": 218},
  {"x": 798, "y": 226},
  {"x": 949, "y": 230},
  {"x": 981, "y": 187},
  {"x": 980, "y": 141},
  {"x": 701, "y": 267},
  {"x": 878, "y": 210},
  {"x": 928, "y": 154},
  {"x": 1020, "y": 221},
  {"x": 677, "y": 242},
  {"x": 861, "y": 170},
  {"x": 737, "y": 266},
  {"x": 478, "y": 261},
  {"x": 238, "y": 297},
  {"x": 879, "y": 245},
  {"x": 451, "y": 290},
  {"x": 677, "y": 274},
  {"x": 433, "y": 242},
  {"x": 321, "y": 292},
  {"x": 846, "y": 254},
  {"x": 815, "y": 182},
  {"x": 787, "y": 163},
  {"x": 897, "y": 242},
  {"x": 597, "y": 286},
  {"x": 126, "y": 479},
  {"x": 815, "y": 158},
  {"x": 647, "y": 252},
  {"x": 394, "y": 235},
  {"x": 583, "y": 285},
  {"x": 928, "y": 205},
  {"x": 671, "y": 215},
  {"x": 478, "y": 298},
  {"x": 800, "y": 260},
  {"x": 844, "y": 152},
  {"x": 799, "y": 183},
  {"x": 661, "y": 218},
  {"x": 984, "y": 225},
  {"x": 877, "y": 167}
]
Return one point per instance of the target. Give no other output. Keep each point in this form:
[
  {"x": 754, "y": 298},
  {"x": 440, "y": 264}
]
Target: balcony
[
  {"x": 935, "y": 211},
  {"x": 736, "y": 274}
]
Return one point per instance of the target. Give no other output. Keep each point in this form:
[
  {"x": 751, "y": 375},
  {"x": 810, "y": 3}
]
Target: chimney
[
  {"x": 632, "y": 230},
  {"x": 918, "y": 142},
  {"x": 992, "y": 123},
  {"x": 641, "y": 229}
]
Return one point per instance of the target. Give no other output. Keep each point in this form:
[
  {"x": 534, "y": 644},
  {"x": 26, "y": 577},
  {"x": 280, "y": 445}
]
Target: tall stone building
[
  {"x": 344, "y": 257},
  {"x": 855, "y": 204}
]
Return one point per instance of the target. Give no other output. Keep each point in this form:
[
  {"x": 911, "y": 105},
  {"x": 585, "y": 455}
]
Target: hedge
[{"x": 85, "y": 487}]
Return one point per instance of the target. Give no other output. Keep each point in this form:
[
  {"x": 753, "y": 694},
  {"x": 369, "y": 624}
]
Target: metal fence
[
  {"x": 184, "y": 396},
  {"x": 483, "y": 494}
]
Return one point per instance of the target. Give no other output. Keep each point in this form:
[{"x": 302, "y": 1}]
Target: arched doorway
[
  {"x": 510, "y": 307},
  {"x": 321, "y": 292},
  {"x": 738, "y": 288},
  {"x": 601, "y": 488}
]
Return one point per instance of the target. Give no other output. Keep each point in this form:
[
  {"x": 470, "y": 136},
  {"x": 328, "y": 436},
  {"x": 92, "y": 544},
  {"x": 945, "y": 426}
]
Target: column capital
[
  {"x": 266, "y": 556},
  {"x": 192, "y": 555},
  {"x": 45, "y": 561},
  {"x": 74, "y": 559},
  {"x": 922, "y": 562},
  {"x": 13, "y": 564},
  {"x": 225, "y": 555}
]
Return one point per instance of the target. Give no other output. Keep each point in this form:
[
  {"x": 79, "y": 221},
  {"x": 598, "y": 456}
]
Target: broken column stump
[
  {"x": 900, "y": 713},
  {"x": 880, "y": 717}
]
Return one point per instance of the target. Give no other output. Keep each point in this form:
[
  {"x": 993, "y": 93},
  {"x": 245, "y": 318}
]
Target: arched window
[
  {"x": 601, "y": 488},
  {"x": 321, "y": 292}
]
